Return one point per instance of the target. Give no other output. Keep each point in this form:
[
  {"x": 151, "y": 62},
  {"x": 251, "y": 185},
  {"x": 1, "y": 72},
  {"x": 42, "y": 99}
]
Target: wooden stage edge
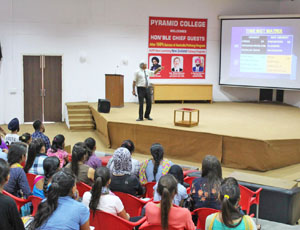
[{"x": 235, "y": 150}]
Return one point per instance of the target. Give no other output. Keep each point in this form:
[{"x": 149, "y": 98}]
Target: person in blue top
[
  {"x": 230, "y": 217},
  {"x": 61, "y": 210}
]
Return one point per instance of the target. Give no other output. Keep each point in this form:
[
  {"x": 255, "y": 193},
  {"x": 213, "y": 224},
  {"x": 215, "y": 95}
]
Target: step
[
  {"x": 81, "y": 121},
  {"x": 79, "y": 111},
  {"x": 78, "y": 106},
  {"x": 80, "y": 116},
  {"x": 81, "y": 127}
]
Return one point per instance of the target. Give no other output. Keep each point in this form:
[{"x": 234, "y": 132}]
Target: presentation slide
[{"x": 260, "y": 53}]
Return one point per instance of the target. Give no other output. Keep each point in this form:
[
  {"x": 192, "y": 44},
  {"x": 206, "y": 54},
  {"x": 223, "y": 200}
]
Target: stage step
[{"x": 80, "y": 116}]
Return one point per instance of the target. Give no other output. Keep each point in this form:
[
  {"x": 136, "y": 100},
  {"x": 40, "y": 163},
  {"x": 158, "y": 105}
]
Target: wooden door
[
  {"x": 53, "y": 88},
  {"x": 32, "y": 88}
]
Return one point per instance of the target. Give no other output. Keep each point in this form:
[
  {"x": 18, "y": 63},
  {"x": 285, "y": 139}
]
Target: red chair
[
  {"x": 19, "y": 201},
  {"x": 189, "y": 180},
  {"x": 186, "y": 172},
  {"x": 35, "y": 200},
  {"x": 249, "y": 198},
  {"x": 147, "y": 226},
  {"x": 132, "y": 204},
  {"x": 202, "y": 214},
  {"x": 104, "y": 221},
  {"x": 30, "y": 178},
  {"x": 149, "y": 189},
  {"x": 105, "y": 160},
  {"x": 82, "y": 188}
]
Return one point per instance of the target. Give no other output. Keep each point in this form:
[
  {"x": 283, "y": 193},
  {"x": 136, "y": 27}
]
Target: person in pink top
[
  {"x": 164, "y": 213},
  {"x": 57, "y": 150}
]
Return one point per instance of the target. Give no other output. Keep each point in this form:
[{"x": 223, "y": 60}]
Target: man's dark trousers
[{"x": 144, "y": 92}]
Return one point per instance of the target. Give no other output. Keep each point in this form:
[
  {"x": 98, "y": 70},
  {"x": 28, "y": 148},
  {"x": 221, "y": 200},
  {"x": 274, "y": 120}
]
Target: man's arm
[{"x": 133, "y": 88}]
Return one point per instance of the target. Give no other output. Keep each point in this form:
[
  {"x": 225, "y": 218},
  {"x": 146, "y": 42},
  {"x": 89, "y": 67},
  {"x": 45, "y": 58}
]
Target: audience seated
[
  {"x": 3, "y": 152},
  {"x": 153, "y": 169},
  {"x": 181, "y": 194},
  {"x": 9, "y": 216},
  {"x": 3, "y": 146},
  {"x": 230, "y": 217},
  {"x": 57, "y": 150},
  {"x": 92, "y": 161},
  {"x": 100, "y": 197},
  {"x": 14, "y": 127},
  {"x": 164, "y": 213},
  {"x": 17, "y": 184},
  {"x": 60, "y": 209},
  {"x": 128, "y": 144},
  {"x": 122, "y": 180},
  {"x": 36, "y": 157},
  {"x": 205, "y": 190},
  {"x": 25, "y": 138},
  {"x": 41, "y": 183},
  {"x": 39, "y": 130},
  {"x": 83, "y": 172}
]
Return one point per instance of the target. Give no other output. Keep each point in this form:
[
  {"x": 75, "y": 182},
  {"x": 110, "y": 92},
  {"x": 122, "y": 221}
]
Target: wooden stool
[{"x": 189, "y": 122}]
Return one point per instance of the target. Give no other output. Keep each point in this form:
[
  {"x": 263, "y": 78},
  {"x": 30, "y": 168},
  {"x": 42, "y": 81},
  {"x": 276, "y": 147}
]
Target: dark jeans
[{"x": 144, "y": 92}]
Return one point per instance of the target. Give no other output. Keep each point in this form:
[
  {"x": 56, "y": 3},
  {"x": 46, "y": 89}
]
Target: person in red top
[{"x": 164, "y": 213}]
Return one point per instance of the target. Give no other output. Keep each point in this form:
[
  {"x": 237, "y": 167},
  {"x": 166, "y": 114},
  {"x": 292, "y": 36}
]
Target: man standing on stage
[{"x": 141, "y": 81}]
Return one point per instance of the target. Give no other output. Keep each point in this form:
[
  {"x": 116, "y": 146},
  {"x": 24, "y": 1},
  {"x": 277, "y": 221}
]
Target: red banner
[{"x": 179, "y": 45}]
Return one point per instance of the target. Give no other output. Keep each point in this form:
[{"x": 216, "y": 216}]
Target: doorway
[{"x": 42, "y": 88}]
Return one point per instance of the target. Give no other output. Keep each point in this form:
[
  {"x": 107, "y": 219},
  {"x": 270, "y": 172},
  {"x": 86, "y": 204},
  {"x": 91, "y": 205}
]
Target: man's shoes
[
  {"x": 139, "y": 119},
  {"x": 149, "y": 118}
]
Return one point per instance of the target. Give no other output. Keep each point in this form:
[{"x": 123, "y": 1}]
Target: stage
[{"x": 249, "y": 136}]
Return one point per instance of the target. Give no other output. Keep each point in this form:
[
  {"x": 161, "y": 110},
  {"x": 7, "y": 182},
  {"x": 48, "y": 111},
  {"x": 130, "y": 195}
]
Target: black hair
[
  {"x": 78, "y": 152},
  {"x": 34, "y": 148},
  {"x": 15, "y": 153},
  {"x": 177, "y": 172},
  {"x": 4, "y": 171},
  {"x": 90, "y": 144},
  {"x": 50, "y": 165},
  {"x": 212, "y": 170},
  {"x": 58, "y": 143},
  {"x": 167, "y": 188},
  {"x": 61, "y": 185},
  {"x": 25, "y": 137},
  {"x": 230, "y": 196},
  {"x": 157, "y": 153},
  {"x": 128, "y": 144},
  {"x": 155, "y": 58},
  {"x": 102, "y": 176},
  {"x": 37, "y": 125}
]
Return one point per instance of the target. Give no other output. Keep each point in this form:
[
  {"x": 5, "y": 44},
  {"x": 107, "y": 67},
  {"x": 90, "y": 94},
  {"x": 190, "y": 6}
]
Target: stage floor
[{"x": 242, "y": 135}]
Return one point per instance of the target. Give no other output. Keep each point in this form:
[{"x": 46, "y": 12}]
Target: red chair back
[
  {"x": 30, "y": 178},
  {"x": 149, "y": 189},
  {"x": 248, "y": 197},
  {"x": 104, "y": 221},
  {"x": 132, "y": 204},
  {"x": 147, "y": 226},
  {"x": 82, "y": 188},
  {"x": 19, "y": 201},
  {"x": 202, "y": 214},
  {"x": 189, "y": 180},
  {"x": 186, "y": 172},
  {"x": 35, "y": 203}
]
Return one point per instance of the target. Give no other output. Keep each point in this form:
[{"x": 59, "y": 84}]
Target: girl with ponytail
[
  {"x": 41, "y": 183},
  {"x": 230, "y": 217},
  {"x": 164, "y": 213},
  {"x": 57, "y": 150},
  {"x": 153, "y": 169},
  {"x": 92, "y": 161},
  {"x": 100, "y": 197},
  {"x": 60, "y": 208},
  {"x": 83, "y": 172}
]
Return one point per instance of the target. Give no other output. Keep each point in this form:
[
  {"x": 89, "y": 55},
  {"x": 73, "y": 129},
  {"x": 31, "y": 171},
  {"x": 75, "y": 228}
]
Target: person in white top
[
  {"x": 100, "y": 197},
  {"x": 141, "y": 81},
  {"x": 14, "y": 127}
]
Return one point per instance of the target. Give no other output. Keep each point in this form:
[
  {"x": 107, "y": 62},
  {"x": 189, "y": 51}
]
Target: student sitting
[
  {"x": 17, "y": 184},
  {"x": 42, "y": 183},
  {"x": 60, "y": 210},
  {"x": 164, "y": 213},
  {"x": 36, "y": 157},
  {"x": 39, "y": 130},
  {"x": 122, "y": 180},
  {"x": 57, "y": 150},
  {"x": 14, "y": 127},
  {"x": 100, "y": 198},
  {"x": 9, "y": 216},
  {"x": 92, "y": 161},
  {"x": 230, "y": 217},
  {"x": 25, "y": 138},
  {"x": 83, "y": 172}
]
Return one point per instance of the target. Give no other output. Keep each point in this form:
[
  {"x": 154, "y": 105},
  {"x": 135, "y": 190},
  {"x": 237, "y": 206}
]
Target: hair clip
[{"x": 226, "y": 196}]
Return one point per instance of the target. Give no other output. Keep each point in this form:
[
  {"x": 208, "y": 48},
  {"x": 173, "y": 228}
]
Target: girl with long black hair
[
  {"x": 57, "y": 149},
  {"x": 230, "y": 218},
  {"x": 164, "y": 213},
  {"x": 60, "y": 210},
  {"x": 100, "y": 197},
  {"x": 92, "y": 161}
]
